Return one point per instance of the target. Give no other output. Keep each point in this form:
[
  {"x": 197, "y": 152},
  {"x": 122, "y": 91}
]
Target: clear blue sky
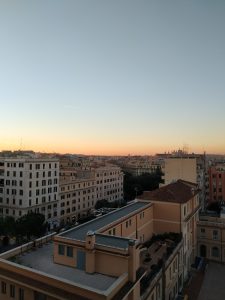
[{"x": 112, "y": 77}]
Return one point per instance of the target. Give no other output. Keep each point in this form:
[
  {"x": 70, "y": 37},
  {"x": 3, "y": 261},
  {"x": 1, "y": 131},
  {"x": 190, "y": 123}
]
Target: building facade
[
  {"x": 121, "y": 255},
  {"x": 28, "y": 184},
  {"x": 216, "y": 183},
  {"x": 77, "y": 196},
  {"x": 187, "y": 167},
  {"x": 109, "y": 182},
  {"x": 211, "y": 236},
  {"x": 181, "y": 200}
]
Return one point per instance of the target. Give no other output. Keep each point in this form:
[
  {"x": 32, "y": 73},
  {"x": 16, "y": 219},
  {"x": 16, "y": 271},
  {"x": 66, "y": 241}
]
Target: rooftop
[
  {"x": 177, "y": 192},
  {"x": 41, "y": 259},
  {"x": 80, "y": 232}
]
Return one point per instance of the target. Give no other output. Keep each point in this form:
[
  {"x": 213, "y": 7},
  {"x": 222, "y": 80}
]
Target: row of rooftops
[
  {"x": 41, "y": 260},
  {"x": 177, "y": 192}
]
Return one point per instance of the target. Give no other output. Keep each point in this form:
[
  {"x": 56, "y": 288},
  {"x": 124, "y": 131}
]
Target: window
[
  {"x": 3, "y": 287},
  {"x": 142, "y": 214},
  {"x": 39, "y": 296},
  {"x": 37, "y": 166},
  {"x": 12, "y": 291},
  {"x": 21, "y": 294},
  {"x": 215, "y": 252},
  {"x": 202, "y": 231},
  {"x": 69, "y": 251},
  {"x": 215, "y": 235},
  {"x": 61, "y": 250}
]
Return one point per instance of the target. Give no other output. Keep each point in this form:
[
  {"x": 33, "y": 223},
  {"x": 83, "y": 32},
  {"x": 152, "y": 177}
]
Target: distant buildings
[
  {"x": 137, "y": 166},
  {"x": 118, "y": 256},
  {"x": 63, "y": 189}
]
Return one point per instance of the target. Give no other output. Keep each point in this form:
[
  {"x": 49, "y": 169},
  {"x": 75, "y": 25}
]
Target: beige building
[
  {"x": 187, "y": 167},
  {"x": 211, "y": 236},
  {"x": 77, "y": 195},
  {"x": 117, "y": 256},
  {"x": 82, "y": 186},
  {"x": 180, "y": 168},
  {"x": 176, "y": 209}
]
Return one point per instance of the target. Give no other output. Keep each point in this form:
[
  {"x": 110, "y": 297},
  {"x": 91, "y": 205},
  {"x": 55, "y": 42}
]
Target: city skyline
[{"x": 112, "y": 78}]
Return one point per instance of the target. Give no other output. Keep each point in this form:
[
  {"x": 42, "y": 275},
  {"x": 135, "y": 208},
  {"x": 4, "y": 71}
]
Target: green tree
[
  {"x": 135, "y": 185},
  {"x": 32, "y": 224},
  {"x": 9, "y": 225}
]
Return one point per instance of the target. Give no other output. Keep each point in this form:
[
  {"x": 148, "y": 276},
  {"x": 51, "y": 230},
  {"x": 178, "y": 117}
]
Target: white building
[
  {"x": 29, "y": 184},
  {"x": 109, "y": 182}
]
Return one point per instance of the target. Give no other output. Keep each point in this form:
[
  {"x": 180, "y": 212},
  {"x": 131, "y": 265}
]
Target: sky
[{"x": 112, "y": 77}]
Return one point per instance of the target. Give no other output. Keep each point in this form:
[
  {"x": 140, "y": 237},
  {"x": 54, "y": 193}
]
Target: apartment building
[
  {"x": 116, "y": 256},
  {"x": 180, "y": 168},
  {"x": 77, "y": 194},
  {"x": 29, "y": 184},
  {"x": 140, "y": 169},
  {"x": 109, "y": 182},
  {"x": 176, "y": 207},
  {"x": 216, "y": 183},
  {"x": 211, "y": 235},
  {"x": 187, "y": 167}
]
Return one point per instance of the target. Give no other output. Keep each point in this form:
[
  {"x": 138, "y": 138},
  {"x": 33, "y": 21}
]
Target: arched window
[{"x": 215, "y": 251}]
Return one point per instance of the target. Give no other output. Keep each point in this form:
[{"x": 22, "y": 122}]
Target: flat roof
[
  {"x": 41, "y": 259},
  {"x": 80, "y": 232},
  {"x": 112, "y": 241}
]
